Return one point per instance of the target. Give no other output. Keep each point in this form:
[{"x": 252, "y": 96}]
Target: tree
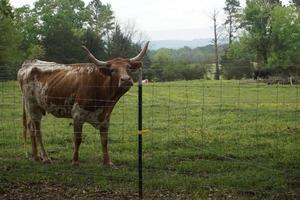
[
  {"x": 296, "y": 3},
  {"x": 237, "y": 62},
  {"x": 26, "y": 21},
  {"x": 121, "y": 44},
  {"x": 100, "y": 26},
  {"x": 272, "y": 34},
  {"x": 101, "y": 18},
  {"x": 5, "y": 10},
  {"x": 285, "y": 39},
  {"x": 215, "y": 41},
  {"x": 10, "y": 37},
  {"x": 231, "y": 9},
  {"x": 95, "y": 43},
  {"x": 256, "y": 21},
  {"x": 62, "y": 45},
  {"x": 61, "y": 30},
  {"x": 275, "y": 2},
  {"x": 62, "y": 26}
]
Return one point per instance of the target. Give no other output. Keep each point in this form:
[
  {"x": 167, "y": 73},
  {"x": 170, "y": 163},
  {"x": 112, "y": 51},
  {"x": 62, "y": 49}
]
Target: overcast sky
[{"x": 164, "y": 19}]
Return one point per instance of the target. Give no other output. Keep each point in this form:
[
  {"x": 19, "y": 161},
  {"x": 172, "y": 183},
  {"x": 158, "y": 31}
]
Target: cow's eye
[
  {"x": 129, "y": 68},
  {"x": 112, "y": 71}
]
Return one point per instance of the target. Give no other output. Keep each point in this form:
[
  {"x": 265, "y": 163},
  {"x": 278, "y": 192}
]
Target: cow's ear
[{"x": 135, "y": 65}]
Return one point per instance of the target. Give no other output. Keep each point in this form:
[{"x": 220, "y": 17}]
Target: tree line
[
  {"x": 181, "y": 64},
  {"x": 54, "y": 30},
  {"x": 265, "y": 34}
]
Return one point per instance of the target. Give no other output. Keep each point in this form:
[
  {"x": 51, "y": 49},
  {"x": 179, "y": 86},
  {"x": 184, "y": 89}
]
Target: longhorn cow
[{"x": 85, "y": 92}]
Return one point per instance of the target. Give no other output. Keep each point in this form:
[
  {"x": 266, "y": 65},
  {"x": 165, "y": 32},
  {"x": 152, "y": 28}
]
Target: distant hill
[{"x": 177, "y": 44}]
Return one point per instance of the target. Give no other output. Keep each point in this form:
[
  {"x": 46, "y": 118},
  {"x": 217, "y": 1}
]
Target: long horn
[
  {"x": 141, "y": 55},
  {"x": 92, "y": 57}
]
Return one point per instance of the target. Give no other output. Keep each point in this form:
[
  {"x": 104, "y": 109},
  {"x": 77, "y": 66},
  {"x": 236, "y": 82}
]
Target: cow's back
[
  {"x": 48, "y": 86},
  {"x": 55, "y": 88}
]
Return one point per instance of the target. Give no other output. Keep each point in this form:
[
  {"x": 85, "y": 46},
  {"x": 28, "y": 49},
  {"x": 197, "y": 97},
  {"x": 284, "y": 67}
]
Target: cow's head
[{"x": 120, "y": 68}]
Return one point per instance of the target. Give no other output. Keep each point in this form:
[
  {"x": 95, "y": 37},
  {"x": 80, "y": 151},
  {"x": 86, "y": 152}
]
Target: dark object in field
[
  {"x": 261, "y": 73},
  {"x": 284, "y": 80},
  {"x": 85, "y": 92}
]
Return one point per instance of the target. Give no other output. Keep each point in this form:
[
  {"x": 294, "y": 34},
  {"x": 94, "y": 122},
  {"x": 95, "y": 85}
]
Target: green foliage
[
  {"x": 61, "y": 23},
  {"x": 256, "y": 20},
  {"x": 271, "y": 39},
  {"x": 94, "y": 43},
  {"x": 62, "y": 45},
  {"x": 162, "y": 56},
  {"x": 60, "y": 27},
  {"x": 181, "y": 64},
  {"x": 285, "y": 39},
  {"x": 5, "y": 9},
  {"x": 296, "y": 3},
  {"x": 54, "y": 30},
  {"x": 176, "y": 71},
  {"x": 237, "y": 62},
  {"x": 100, "y": 25},
  {"x": 27, "y": 24},
  {"x": 36, "y": 52},
  {"x": 100, "y": 17},
  {"x": 121, "y": 44},
  {"x": 275, "y": 2},
  {"x": 232, "y": 9},
  {"x": 10, "y": 40}
]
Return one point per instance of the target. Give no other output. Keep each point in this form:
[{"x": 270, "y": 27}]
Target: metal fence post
[{"x": 140, "y": 135}]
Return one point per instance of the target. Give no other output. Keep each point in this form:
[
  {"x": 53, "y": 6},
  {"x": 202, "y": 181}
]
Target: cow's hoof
[
  {"x": 75, "y": 163},
  {"x": 35, "y": 158},
  {"x": 109, "y": 164},
  {"x": 46, "y": 161}
]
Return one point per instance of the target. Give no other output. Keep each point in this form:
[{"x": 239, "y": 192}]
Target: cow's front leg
[
  {"x": 104, "y": 141},
  {"x": 77, "y": 141}
]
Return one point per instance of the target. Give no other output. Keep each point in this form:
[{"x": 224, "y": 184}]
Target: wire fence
[{"x": 201, "y": 137}]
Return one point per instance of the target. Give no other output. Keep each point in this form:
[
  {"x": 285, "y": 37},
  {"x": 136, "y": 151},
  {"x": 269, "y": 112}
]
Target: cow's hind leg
[
  {"x": 33, "y": 141},
  {"x": 77, "y": 141},
  {"x": 38, "y": 133}
]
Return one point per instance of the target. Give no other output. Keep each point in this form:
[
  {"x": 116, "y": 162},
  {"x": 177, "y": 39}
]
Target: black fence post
[{"x": 140, "y": 135}]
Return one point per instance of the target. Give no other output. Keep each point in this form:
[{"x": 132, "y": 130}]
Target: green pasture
[{"x": 234, "y": 138}]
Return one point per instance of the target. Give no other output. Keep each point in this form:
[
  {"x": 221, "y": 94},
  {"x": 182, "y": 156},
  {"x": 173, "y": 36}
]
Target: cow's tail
[{"x": 24, "y": 120}]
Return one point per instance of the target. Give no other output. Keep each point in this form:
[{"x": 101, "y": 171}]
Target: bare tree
[
  {"x": 131, "y": 31},
  {"x": 217, "y": 34}
]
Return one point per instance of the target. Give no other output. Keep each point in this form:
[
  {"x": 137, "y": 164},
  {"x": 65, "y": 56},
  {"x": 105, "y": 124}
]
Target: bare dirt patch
[{"x": 45, "y": 190}]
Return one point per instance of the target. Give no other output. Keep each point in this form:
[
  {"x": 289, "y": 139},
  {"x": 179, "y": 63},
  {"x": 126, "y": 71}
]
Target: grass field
[{"x": 206, "y": 139}]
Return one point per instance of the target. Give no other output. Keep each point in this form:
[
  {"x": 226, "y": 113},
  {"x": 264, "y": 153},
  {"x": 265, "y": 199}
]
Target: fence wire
[{"x": 239, "y": 137}]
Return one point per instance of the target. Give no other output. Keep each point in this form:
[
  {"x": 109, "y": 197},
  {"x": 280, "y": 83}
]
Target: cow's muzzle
[{"x": 126, "y": 82}]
